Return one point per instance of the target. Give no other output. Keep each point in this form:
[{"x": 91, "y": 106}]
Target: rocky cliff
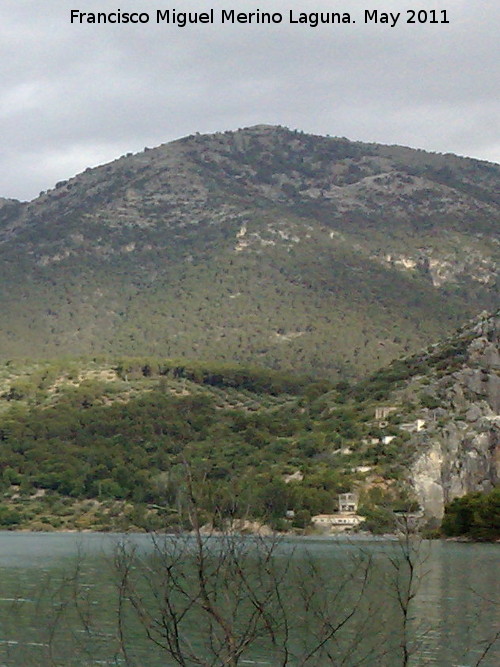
[{"x": 458, "y": 449}]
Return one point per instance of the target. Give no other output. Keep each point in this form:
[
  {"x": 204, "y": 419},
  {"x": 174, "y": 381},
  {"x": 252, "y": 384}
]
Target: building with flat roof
[
  {"x": 338, "y": 522},
  {"x": 348, "y": 502}
]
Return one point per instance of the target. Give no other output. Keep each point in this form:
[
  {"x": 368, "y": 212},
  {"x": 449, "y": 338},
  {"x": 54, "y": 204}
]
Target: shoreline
[{"x": 342, "y": 536}]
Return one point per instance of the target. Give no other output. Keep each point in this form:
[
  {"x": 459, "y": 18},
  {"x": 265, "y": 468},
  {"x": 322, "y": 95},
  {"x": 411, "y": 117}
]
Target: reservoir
[{"x": 60, "y": 602}]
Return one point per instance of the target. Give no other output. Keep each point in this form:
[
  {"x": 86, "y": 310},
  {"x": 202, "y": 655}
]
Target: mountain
[{"x": 264, "y": 245}]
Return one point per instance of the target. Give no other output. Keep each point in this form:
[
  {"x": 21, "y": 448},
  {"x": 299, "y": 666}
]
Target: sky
[{"x": 77, "y": 95}]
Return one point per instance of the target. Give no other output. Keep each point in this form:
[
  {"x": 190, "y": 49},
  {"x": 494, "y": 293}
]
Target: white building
[
  {"x": 413, "y": 427},
  {"x": 348, "y": 502},
  {"x": 337, "y": 522},
  {"x": 345, "y": 519}
]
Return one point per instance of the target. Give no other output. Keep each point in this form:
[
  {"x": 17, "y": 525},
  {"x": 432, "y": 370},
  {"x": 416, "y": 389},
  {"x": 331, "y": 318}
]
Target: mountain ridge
[{"x": 263, "y": 245}]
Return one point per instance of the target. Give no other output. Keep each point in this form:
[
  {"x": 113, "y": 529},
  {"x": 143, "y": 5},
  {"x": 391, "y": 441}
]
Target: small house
[{"x": 348, "y": 502}]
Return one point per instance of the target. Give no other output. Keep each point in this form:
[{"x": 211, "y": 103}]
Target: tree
[
  {"x": 244, "y": 595},
  {"x": 226, "y": 599},
  {"x": 475, "y": 515},
  {"x": 221, "y": 598}
]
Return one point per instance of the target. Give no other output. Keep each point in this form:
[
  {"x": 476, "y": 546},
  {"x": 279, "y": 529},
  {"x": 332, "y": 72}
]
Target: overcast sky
[{"x": 74, "y": 96}]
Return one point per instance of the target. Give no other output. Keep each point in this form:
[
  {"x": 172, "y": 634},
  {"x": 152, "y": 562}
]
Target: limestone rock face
[
  {"x": 459, "y": 450},
  {"x": 426, "y": 476}
]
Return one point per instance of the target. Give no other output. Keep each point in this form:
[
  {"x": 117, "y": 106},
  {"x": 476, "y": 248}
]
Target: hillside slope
[
  {"x": 445, "y": 402},
  {"x": 288, "y": 250},
  {"x": 105, "y": 444}
]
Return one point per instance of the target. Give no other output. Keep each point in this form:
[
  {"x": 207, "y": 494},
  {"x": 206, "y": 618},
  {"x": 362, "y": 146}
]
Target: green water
[{"x": 59, "y": 603}]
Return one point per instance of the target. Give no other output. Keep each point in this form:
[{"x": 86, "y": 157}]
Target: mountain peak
[
  {"x": 263, "y": 245},
  {"x": 263, "y": 127}
]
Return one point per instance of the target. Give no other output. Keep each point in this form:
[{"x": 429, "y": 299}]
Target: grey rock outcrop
[{"x": 459, "y": 450}]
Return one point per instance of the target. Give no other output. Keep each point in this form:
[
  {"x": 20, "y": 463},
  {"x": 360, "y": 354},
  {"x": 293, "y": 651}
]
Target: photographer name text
[{"x": 183, "y": 19}]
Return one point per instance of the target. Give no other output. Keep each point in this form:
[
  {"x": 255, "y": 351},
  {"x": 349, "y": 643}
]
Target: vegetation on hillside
[
  {"x": 263, "y": 246},
  {"x": 107, "y": 443},
  {"x": 475, "y": 516},
  {"x": 105, "y": 446}
]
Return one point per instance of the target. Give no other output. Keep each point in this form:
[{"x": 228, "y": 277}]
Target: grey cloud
[{"x": 76, "y": 96}]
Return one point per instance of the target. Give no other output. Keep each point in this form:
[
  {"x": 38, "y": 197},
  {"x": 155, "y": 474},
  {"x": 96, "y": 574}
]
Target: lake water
[{"x": 59, "y": 602}]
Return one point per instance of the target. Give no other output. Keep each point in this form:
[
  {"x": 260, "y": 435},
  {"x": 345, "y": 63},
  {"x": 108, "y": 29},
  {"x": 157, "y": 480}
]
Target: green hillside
[
  {"x": 113, "y": 444},
  {"x": 105, "y": 446},
  {"x": 264, "y": 246}
]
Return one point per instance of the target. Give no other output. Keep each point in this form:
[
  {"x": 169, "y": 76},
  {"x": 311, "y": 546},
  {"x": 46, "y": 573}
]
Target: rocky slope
[
  {"x": 264, "y": 245},
  {"x": 458, "y": 446}
]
